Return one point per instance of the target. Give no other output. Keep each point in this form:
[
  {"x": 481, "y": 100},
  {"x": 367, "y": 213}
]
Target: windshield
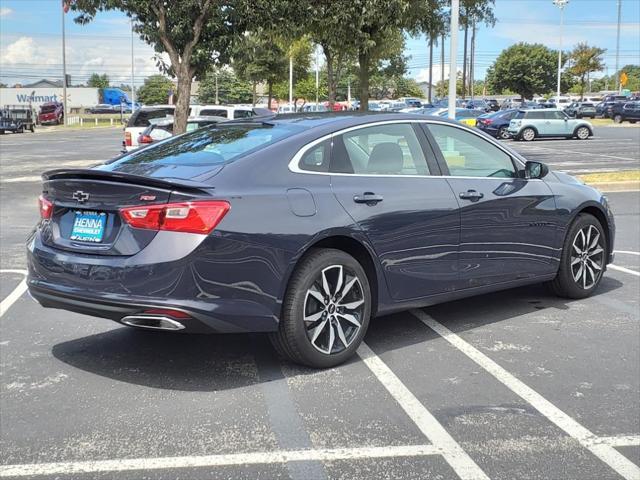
[{"x": 200, "y": 151}]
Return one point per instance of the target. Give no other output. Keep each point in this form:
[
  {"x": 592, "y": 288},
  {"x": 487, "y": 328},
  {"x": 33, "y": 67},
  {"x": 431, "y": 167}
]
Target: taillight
[
  {"x": 142, "y": 139},
  {"x": 127, "y": 139},
  {"x": 167, "y": 311},
  {"x": 46, "y": 207},
  {"x": 191, "y": 217}
]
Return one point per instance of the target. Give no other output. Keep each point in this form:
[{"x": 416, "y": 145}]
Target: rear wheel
[
  {"x": 503, "y": 133},
  {"x": 326, "y": 310},
  {"x": 528, "y": 134},
  {"x": 582, "y": 133},
  {"x": 583, "y": 259},
  {"x": 20, "y": 129}
]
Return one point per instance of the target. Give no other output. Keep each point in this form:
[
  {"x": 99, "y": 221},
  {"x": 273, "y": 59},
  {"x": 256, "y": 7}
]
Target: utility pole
[
  {"x": 618, "y": 86},
  {"x": 133, "y": 85},
  {"x": 64, "y": 70},
  {"x": 442, "y": 62},
  {"x": 453, "y": 67},
  {"x": 560, "y": 4},
  {"x": 464, "y": 63},
  {"x": 430, "y": 65},
  {"x": 472, "y": 59},
  {"x": 291, "y": 81}
]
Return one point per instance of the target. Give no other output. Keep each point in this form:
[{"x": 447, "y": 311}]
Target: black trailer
[{"x": 17, "y": 119}]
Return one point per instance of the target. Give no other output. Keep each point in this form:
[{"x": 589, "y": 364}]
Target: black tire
[
  {"x": 565, "y": 285},
  {"x": 292, "y": 340},
  {"x": 632, "y": 121},
  {"x": 528, "y": 134},
  {"x": 503, "y": 133},
  {"x": 617, "y": 119},
  {"x": 20, "y": 129}
]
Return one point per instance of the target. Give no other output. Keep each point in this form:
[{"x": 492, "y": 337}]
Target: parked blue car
[
  {"x": 496, "y": 124},
  {"x": 307, "y": 227}
]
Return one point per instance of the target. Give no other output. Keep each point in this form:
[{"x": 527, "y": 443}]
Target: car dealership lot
[{"x": 516, "y": 384}]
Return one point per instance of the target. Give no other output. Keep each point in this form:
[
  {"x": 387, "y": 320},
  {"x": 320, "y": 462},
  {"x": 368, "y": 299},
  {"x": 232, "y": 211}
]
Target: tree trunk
[
  {"x": 181, "y": 113},
  {"x": 464, "y": 63},
  {"x": 363, "y": 75},
  {"x": 269, "y": 93},
  {"x": 331, "y": 80},
  {"x": 430, "y": 66},
  {"x": 254, "y": 95},
  {"x": 472, "y": 60}
]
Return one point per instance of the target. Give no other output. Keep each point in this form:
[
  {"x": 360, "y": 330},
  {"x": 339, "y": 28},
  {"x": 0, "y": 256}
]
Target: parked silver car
[{"x": 530, "y": 124}]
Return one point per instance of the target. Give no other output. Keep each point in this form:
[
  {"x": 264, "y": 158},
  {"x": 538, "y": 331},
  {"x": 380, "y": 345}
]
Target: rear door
[
  {"x": 508, "y": 224},
  {"x": 387, "y": 179}
]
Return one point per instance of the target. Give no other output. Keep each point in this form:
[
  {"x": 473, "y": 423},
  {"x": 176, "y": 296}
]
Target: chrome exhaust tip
[{"x": 152, "y": 322}]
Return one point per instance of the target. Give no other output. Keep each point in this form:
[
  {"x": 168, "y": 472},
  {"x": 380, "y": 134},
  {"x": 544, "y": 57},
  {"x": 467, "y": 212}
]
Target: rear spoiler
[{"x": 90, "y": 174}]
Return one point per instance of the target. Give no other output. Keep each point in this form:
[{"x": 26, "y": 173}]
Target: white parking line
[
  {"x": 15, "y": 294},
  {"x": 281, "y": 456},
  {"x": 623, "y": 269},
  {"x": 627, "y": 252},
  {"x": 609, "y": 455},
  {"x": 455, "y": 456},
  {"x": 620, "y": 441}
]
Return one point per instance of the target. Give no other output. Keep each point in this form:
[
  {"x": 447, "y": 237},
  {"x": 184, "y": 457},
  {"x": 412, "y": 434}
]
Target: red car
[{"x": 51, "y": 112}]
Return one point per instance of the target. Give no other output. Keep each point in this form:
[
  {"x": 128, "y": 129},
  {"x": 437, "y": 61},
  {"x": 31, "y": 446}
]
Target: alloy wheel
[
  {"x": 587, "y": 257},
  {"x": 528, "y": 134},
  {"x": 333, "y": 309},
  {"x": 582, "y": 133},
  {"x": 503, "y": 133}
]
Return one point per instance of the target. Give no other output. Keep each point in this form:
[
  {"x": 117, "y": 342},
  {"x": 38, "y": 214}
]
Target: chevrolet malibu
[{"x": 308, "y": 227}]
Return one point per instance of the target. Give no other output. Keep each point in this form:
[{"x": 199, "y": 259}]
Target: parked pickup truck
[{"x": 17, "y": 119}]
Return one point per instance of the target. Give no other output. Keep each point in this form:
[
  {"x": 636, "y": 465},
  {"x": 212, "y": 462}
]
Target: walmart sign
[{"x": 77, "y": 97}]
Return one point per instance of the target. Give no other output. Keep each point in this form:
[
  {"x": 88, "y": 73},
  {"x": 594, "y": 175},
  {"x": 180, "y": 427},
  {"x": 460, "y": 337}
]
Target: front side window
[
  {"x": 391, "y": 149},
  {"x": 468, "y": 155},
  {"x": 242, "y": 113},
  {"x": 213, "y": 112}
]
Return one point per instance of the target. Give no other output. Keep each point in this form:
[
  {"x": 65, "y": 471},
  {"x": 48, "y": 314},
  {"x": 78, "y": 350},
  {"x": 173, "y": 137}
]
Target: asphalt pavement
[{"x": 512, "y": 385}]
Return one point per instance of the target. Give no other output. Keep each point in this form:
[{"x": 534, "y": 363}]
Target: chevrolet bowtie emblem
[{"x": 80, "y": 196}]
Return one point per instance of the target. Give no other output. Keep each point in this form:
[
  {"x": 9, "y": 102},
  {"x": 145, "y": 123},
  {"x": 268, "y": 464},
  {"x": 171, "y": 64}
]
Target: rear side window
[
  {"x": 535, "y": 115},
  {"x": 141, "y": 117},
  {"x": 243, "y": 113},
  {"x": 519, "y": 115},
  {"x": 391, "y": 149},
  {"x": 469, "y": 155},
  {"x": 214, "y": 112},
  {"x": 316, "y": 159},
  {"x": 194, "y": 153}
]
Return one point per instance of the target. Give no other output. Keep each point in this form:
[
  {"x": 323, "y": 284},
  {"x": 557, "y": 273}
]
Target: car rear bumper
[{"x": 206, "y": 284}]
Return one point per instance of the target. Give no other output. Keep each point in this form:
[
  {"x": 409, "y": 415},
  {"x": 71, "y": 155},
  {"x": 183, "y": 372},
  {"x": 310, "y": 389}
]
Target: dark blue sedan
[
  {"x": 496, "y": 124},
  {"x": 307, "y": 227}
]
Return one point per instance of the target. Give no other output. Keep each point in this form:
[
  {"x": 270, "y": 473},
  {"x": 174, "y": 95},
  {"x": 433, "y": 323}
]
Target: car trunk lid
[{"x": 86, "y": 207}]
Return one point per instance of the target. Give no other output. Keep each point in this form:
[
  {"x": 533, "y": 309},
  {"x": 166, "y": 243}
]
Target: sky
[{"x": 31, "y": 40}]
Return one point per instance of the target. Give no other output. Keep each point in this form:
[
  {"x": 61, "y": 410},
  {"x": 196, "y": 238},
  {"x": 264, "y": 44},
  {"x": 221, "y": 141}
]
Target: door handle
[
  {"x": 472, "y": 195},
  {"x": 369, "y": 198}
]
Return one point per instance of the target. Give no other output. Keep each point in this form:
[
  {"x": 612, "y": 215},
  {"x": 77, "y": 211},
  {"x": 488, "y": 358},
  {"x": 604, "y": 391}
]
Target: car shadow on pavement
[
  {"x": 171, "y": 361},
  {"x": 200, "y": 362},
  {"x": 402, "y": 329}
]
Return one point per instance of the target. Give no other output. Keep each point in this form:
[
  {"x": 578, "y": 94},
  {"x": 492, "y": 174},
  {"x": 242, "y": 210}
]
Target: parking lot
[{"x": 512, "y": 385}]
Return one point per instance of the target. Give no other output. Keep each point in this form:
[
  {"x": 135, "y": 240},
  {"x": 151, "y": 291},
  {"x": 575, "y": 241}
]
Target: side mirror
[{"x": 535, "y": 170}]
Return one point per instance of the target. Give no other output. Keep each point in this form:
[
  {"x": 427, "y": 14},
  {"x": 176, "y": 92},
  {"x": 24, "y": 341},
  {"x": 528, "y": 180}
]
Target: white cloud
[
  {"x": 423, "y": 73},
  {"x": 5, "y": 11},
  {"x": 27, "y": 50}
]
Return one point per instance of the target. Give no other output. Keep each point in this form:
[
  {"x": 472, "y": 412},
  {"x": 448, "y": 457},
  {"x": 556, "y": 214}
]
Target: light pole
[
  {"x": 133, "y": 85},
  {"x": 560, "y": 4},
  {"x": 453, "y": 65},
  {"x": 618, "y": 86}
]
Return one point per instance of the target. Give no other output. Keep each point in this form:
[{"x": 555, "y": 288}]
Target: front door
[
  {"x": 509, "y": 227},
  {"x": 557, "y": 123},
  {"x": 382, "y": 176}
]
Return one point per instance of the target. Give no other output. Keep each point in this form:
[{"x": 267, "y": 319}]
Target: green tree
[
  {"x": 193, "y": 33},
  {"x": 98, "y": 81},
  {"x": 230, "y": 88},
  {"x": 155, "y": 90},
  {"x": 527, "y": 69},
  {"x": 584, "y": 60}
]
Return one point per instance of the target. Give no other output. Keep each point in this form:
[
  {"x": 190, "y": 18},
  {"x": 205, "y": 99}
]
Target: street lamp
[{"x": 560, "y": 4}]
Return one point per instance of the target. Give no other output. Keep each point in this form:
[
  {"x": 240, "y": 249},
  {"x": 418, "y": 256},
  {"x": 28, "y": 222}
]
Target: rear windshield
[
  {"x": 141, "y": 117},
  {"x": 586, "y": 104},
  {"x": 199, "y": 151},
  {"x": 47, "y": 108}
]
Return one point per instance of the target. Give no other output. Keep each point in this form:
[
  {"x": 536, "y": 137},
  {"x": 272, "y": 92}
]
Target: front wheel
[
  {"x": 617, "y": 118},
  {"x": 326, "y": 310},
  {"x": 583, "y": 259},
  {"x": 528, "y": 134},
  {"x": 582, "y": 133}
]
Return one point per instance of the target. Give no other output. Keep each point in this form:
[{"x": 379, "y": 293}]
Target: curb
[{"x": 620, "y": 186}]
